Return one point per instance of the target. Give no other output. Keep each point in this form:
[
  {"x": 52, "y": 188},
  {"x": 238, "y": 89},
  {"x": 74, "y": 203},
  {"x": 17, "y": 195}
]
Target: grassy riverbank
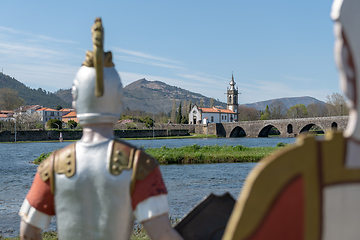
[
  {"x": 209, "y": 154},
  {"x": 139, "y": 234},
  {"x": 206, "y": 154}
]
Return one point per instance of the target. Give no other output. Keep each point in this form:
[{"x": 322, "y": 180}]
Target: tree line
[{"x": 335, "y": 106}]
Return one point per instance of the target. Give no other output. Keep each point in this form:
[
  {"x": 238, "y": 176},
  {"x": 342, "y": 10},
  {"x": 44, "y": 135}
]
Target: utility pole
[{"x": 15, "y": 129}]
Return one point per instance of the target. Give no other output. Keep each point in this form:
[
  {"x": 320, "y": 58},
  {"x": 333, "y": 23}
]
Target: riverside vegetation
[{"x": 205, "y": 154}]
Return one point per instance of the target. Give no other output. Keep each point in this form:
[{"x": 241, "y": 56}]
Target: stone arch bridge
[{"x": 287, "y": 127}]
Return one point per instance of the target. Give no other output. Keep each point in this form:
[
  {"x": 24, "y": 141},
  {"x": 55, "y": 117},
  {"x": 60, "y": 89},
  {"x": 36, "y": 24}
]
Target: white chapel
[{"x": 199, "y": 115}]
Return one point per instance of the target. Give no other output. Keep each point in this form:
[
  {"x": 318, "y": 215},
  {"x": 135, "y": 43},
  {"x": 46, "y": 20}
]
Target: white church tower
[{"x": 232, "y": 98}]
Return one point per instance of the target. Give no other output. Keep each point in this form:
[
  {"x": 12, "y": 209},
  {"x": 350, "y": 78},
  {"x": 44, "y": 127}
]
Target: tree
[
  {"x": 297, "y": 111},
  {"x": 27, "y": 121},
  {"x": 189, "y": 107},
  {"x": 54, "y": 123},
  {"x": 277, "y": 109},
  {"x": 58, "y": 107},
  {"x": 71, "y": 124},
  {"x": 149, "y": 122},
  {"x": 184, "y": 108},
  {"x": 9, "y": 99},
  {"x": 179, "y": 115},
  {"x": 336, "y": 105},
  {"x": 266, "y": 115},
  {"x": 248, "y": 113},
  {"x": 201, "y": 103},
  {"x": 212, "y": 102},
  {"x": 173, "y": 112},
  {"x": 317, "y": 109}
]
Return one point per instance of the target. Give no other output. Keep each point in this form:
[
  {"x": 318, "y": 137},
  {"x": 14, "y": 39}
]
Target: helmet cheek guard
[{"x": 97, "y": 88}]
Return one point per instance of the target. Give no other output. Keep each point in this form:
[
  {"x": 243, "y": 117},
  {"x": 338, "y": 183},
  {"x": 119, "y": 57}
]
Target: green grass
[
  {"x": 41, "y": 158},
  {"x": 207, "y": 154},
  {"x": 139, "y": 232}
]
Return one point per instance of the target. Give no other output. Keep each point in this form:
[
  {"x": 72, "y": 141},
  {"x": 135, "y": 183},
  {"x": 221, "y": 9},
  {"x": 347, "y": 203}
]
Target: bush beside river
[
  {"x": 205, "y": 154},
  {"x": 209, "y": 154}
]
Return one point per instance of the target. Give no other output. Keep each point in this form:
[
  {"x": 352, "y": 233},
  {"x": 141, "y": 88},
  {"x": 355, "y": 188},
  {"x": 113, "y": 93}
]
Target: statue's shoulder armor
[
  {"x": 124, "y": 156},
  {"x": 143, "y": 165},
  {"x": 61, "y": 162}
]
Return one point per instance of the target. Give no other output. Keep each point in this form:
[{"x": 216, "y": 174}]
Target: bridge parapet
[{"x": 287, "y": 127}]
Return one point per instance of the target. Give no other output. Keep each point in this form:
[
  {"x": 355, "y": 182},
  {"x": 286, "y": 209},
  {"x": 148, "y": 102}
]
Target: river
[{"x": 187, "y": 184}]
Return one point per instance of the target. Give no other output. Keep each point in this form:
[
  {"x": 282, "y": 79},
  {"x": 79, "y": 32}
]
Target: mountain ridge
[
  {"x": 148, "y": 96},
  {"x": 32, "y": 96}
]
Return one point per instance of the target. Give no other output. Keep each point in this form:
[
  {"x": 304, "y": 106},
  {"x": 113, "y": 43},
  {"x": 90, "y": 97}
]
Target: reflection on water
[{"x": 187, "y": 184}]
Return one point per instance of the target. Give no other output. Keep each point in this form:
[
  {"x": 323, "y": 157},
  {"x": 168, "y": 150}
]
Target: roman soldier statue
[
  {"x": 311, "y": 190},
  {"x": 98, "y": 185}
]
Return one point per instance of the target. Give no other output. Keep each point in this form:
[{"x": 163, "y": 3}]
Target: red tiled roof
[
  {"x": 66, "y": 110},
  {"x": 47, "y": 109},
  {"x": 226, "y": 111},
  {"x": 209, "y": 110},
  {"x": 70, "y": 115},
  {"x": 2, "y": 115},
  {"x": 216, "y": 110},
  {"x": 6, "y": 111}
]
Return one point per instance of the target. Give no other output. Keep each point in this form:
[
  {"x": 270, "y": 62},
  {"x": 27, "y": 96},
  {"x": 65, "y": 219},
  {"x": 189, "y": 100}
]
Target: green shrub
[
  {"x": 54, "y": 123},
  {"x": 281, "y": 144}
]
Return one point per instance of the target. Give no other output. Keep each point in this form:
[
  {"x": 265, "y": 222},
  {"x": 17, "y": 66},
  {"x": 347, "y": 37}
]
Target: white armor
[{"x": 94, "y": 202}]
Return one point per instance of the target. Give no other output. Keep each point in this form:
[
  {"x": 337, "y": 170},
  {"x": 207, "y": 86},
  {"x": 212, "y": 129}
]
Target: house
[
  {"x": 6, "y": 116},
  {"x": 210, "y": 115},
  {"x": 48, "y": 113},
  {"x": 70, "y": 116},
  {"x": 65, "y": 111},
  {"x": 26, "y": 110}
]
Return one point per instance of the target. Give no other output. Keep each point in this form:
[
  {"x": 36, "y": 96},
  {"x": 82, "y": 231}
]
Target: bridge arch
[
  {"x": 307, "y": 127},
  {"x": 264, "y": 132},
  {"x": 238, "y": 132},
  {"x": 334, "y": 125},
  {"x": 289, "y": 128}
]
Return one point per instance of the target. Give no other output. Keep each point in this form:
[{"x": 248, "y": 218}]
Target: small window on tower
[{"x": 212, "y": 119}]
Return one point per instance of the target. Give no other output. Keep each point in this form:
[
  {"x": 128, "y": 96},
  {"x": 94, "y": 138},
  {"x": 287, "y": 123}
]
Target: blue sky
[{"x": 275, "y": 48}]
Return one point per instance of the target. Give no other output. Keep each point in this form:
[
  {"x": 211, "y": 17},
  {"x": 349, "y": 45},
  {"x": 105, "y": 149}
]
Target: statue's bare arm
[
  {"x": 159, "y": 228},
  {"x": 29, "y": 232}
]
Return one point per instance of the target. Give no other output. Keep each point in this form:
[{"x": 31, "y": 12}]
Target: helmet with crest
[{"x": 97, "y": 88}]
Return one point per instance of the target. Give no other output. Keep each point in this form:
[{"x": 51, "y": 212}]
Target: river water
[{"x": 187, "y": 184}]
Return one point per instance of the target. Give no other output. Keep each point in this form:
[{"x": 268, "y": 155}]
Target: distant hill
[
  {"x": 148, "y": 96},
  {"x": 152, "y": 96},
  {"x": 289, "y": 102},
  {"x": 32, "y": 96}
]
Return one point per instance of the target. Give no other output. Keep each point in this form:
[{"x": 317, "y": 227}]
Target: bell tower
[{"x": 232, "y": 98}]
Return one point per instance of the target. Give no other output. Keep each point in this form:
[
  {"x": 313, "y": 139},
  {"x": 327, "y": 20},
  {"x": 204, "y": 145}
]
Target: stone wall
[
  {"x": 7, "y": 136},
  {"x": 158, "y": 126},
  {"x": 286, "y": 127}
]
